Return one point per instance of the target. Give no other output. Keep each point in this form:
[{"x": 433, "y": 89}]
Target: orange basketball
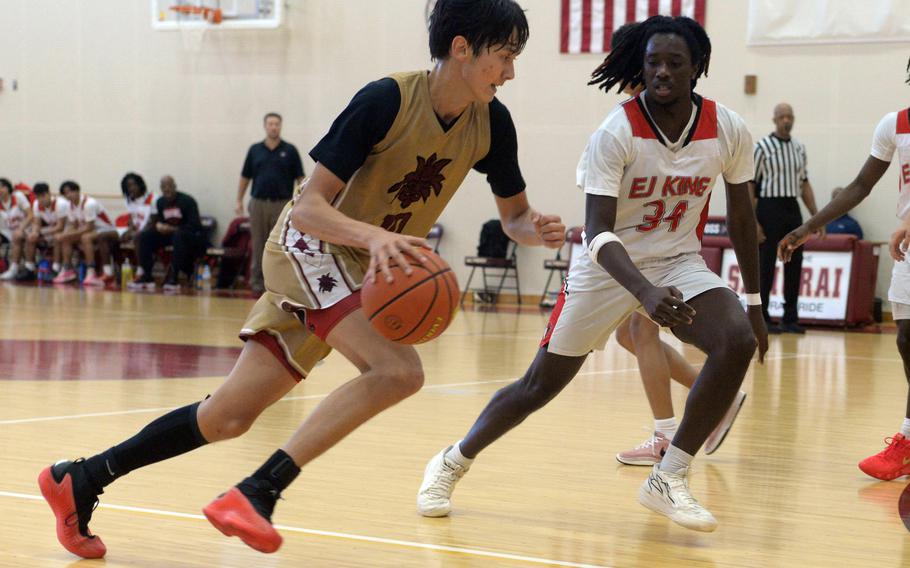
[{"x": 416, "y": 308}]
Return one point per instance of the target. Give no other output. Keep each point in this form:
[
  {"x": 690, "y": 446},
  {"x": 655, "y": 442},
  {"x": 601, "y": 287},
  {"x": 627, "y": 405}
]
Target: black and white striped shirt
[{"x": 780, "y": 167}]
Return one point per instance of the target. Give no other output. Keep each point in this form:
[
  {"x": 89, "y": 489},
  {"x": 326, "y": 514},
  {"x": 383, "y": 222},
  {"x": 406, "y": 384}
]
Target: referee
[{"x": 781, "y": 177}]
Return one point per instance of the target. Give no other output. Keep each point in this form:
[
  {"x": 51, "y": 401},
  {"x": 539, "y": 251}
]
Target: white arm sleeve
[
  {"x": 883, "y": 139},
  {"x": 603, "y": 163},
  {"x": 739, "y": 164}
]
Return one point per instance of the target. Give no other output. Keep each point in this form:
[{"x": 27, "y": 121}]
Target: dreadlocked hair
[{"x": 624, "y": 64}]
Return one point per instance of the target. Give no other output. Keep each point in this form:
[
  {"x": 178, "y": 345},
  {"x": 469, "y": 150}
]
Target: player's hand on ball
[
  {"x": 550, "y": 230},
  {"x": 388, "y": 247},
  {"x": 792, "y": 241},
  {"x": 666, "y": 307}
]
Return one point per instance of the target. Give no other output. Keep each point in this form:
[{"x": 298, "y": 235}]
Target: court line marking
[
  {"x": 440, "y": 386},
  {"x": 284, "y": 399},
  {"x": 345, "y": 536}
]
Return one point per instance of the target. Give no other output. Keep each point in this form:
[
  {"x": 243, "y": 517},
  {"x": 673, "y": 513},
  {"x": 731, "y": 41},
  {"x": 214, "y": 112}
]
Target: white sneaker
[
  {"x": 434, "y": 499},
  {"x": 668, "y": 494},
  {"x": 10, "y": 272},
  {"x": 716, "y": 438}
]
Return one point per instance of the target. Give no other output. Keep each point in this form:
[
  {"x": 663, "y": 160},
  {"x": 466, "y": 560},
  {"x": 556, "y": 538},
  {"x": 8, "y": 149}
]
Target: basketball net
[{"x": 192, "y": 37}]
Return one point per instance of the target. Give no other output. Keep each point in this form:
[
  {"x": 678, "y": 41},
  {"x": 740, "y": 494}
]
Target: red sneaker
[
  {"x": 890, "y": 463},
  {"x": 67, "y": 491},
  {"x": 234, "y": 515}
]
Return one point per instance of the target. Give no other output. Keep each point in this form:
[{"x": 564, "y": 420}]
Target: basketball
[{"x": 412, "y": 309}]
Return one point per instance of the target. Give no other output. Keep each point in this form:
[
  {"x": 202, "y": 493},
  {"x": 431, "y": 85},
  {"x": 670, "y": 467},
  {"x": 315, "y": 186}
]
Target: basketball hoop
[{"x": 211, "y": 15}]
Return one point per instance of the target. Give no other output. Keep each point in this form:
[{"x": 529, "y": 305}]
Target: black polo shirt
[{"x": 273, "y": 171}]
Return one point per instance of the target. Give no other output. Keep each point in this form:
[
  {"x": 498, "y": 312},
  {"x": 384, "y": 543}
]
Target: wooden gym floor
[{"x": 82, "y": 370}]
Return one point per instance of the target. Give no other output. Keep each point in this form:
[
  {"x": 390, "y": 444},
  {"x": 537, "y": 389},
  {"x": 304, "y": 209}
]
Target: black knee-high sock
[{"x": 175, "y": 433}]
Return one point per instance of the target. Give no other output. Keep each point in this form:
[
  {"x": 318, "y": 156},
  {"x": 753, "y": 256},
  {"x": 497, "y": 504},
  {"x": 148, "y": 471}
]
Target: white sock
[
  {"x": 454, "y": 455},
  {"x": 108, "y": 270},
  {"x": 905, "y": 428},
  {"x": 56, "y": 267},
  {"x": 30, "y": 266},
  {"x": 13, "y": 267},
  {"x": 666, "y": 426},
  {"x": 675, "y": 460}
]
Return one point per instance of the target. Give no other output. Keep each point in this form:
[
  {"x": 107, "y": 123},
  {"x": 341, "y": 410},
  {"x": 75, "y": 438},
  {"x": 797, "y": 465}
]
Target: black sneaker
[
  {"x": 773, "y": 328},
  {"x": 793, "y": 328},
  {"x": 73, "y": 498},
  {"x": 26, "y": 275}
]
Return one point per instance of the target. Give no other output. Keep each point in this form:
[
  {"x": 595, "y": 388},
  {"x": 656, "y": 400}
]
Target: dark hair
[
  {"x": 270, "y": 114},
  {"x": 6, "y": 183},
  {"x": 908, "y": 73},
  {"x": 624, "y": 65},
  {"x": 483, "y": 23},
  {"x": 69, "y": 184},
  {"x": 136, "y": 178},
  {"x": 41, "y": 188}
]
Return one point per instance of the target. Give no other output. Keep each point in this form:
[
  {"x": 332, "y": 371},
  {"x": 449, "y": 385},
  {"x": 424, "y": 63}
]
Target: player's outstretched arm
[
  {"x": 743, "y": 231},
  {"x": 526, "y": 226},
  {"x": 853, "y": 194},
  {"x": 665, "y": 306}
]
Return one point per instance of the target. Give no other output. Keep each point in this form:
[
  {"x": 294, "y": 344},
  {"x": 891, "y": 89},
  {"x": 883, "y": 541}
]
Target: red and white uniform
[
  {"x": 140, "y": 210},
  {"x": 90, "y": 209},
  {"x": 663, "y": 188},
  {"x": 893, "y": 134},
  {"x": 13, "y": 213},
  {"x": 58, "y": 209}
]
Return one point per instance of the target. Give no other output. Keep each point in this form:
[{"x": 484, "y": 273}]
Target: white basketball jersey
[
  {"x": 893, "y": 133},
  {"x": 90, "y": 209},
  {"x": 13, "y": 213},
  {"x": 59, "y": 208},
  {"x": 140, "y": 210},
  {"x": 663, "y": 188}
]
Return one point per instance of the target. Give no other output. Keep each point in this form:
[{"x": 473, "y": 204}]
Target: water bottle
[
  {"x": 126, "y": 274},
  {"x": 81, "y": 271},
  {"x": 44, "y": 271},
  {"x": 206, "y": 278},
  {"x": 198, "y": 283}
]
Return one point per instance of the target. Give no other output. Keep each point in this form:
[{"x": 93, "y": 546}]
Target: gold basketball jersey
[{"x": 403, "y": 186}]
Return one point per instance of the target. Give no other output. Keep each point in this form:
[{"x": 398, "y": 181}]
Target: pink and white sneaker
[
  {"x": 649, "y": 452},
  {"x": 92, "y": 279},
  {"x": 65, "y": 277}
]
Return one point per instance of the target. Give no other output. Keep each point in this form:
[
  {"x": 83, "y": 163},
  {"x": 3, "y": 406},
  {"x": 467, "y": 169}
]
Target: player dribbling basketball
[{"x": 385, "y": 171}]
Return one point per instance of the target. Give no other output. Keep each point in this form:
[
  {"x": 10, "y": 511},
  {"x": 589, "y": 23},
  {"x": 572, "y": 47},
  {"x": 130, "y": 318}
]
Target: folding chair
[
  {"x": 501, "y": 271},
  {"x": 435, "y": 236}
]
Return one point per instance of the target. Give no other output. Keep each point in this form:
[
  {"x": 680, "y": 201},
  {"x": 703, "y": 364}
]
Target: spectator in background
[
  {"x": 88, "y": 224},
  {"x": 49, "y": 213},
  {"x": 175, "y": 222},
  {"x": 15, "y": 214},
  {"x": 274, "y": 166},
  {"x": 845, "y": 224},
  {"x": 780, "y": 178},
  {"x": 140, "y": 204}
]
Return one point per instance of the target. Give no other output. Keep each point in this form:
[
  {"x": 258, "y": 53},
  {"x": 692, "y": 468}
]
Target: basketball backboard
[{"x": 216, "y": 14}]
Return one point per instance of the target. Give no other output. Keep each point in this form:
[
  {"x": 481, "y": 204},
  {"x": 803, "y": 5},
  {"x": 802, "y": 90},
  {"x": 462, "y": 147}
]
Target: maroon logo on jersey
[
  {"x": 326, "y": 283},
  {"x": 417, "y": 184},
  {"x": 303, "y": 246}
]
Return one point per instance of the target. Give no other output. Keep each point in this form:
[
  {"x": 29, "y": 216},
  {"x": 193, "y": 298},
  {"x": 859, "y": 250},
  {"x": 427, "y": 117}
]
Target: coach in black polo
[
  {"x": 274, "y": 166},
  {"x": 781, "y": 177}
]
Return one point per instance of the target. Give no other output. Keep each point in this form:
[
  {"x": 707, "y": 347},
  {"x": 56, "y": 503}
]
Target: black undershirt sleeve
[
  {"x": 501, "y": 162},
  {"x": 360, "y": 126}
]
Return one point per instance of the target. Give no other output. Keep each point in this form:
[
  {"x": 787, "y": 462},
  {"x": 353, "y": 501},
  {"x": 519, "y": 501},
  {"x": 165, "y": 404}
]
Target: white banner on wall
[
  {"x": 823, "y": 290},
  {"x": 786, "y": 22}
]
